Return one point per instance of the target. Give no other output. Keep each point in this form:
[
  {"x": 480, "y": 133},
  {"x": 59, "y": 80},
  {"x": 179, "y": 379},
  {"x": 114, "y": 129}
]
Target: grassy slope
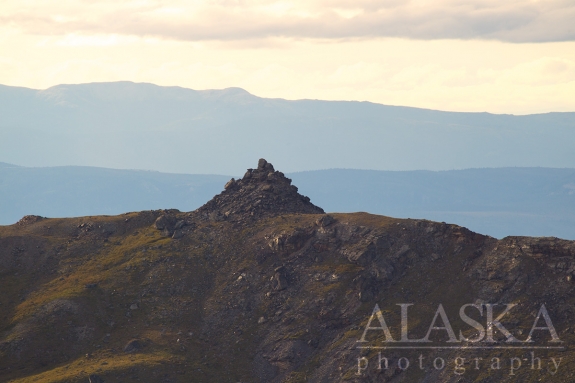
[{"x": 192, "y": 318}]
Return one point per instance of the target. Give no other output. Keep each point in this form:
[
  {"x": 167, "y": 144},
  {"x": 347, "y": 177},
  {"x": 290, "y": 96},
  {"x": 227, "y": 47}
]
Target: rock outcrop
[{"x": 262, "y": 192}]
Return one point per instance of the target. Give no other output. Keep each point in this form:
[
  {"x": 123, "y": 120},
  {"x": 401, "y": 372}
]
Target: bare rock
[
  {"x": 29, "y": 219},
  {"x": 181, "y": 223},
  {"x": 280, "y": 281},
  {"x": 230, "y": 184},
  {"x": 325, "y": 220},
  {"x": 262, "y": 192},
  {"x": 264, "y": 165},
  {"x": 161, "y": 222},
  {"x": 133, "y": 346}
]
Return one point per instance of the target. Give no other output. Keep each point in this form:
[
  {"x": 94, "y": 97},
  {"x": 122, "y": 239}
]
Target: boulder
[
  {"x": 161, "y": 222},
  {"x": 133, "y": 346},
  {"x": 280, "y": 281},
  {"x": 230, "y": 184},
  {"x": 325, "y": 220}
]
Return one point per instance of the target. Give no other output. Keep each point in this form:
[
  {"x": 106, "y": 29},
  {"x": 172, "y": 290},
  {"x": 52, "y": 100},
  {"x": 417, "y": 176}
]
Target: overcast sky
[{"x": 497, "y": 56}]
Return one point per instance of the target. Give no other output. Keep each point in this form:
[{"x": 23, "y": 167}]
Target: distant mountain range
[
  {"x": 498, "y": 202},
  {"x": 73, "y": 191},
  {"x": 171, "y": 129}
]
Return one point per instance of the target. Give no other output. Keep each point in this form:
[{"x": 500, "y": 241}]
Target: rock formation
[{"x": 262, "y": 192}]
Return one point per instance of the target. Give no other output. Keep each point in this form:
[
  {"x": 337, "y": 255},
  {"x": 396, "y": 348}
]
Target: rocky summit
[
  {"x": 262, "y": 192},
  {"x": 260, "y": 285}
]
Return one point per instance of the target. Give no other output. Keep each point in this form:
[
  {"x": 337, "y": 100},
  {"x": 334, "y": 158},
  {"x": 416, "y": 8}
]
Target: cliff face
[{"x": 260, "y": 285}]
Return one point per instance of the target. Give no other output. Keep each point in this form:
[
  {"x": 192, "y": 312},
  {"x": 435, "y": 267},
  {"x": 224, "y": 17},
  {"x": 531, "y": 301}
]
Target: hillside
[
  {"x": 177, "y": 130},
  {"x": 260, "y": 285},
  {"x": 498, "y": 202}
]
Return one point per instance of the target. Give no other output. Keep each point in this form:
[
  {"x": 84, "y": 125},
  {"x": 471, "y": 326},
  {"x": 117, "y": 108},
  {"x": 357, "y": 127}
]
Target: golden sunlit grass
[
  {"x": 81, "y": 368},
  {"x": 98, "y": 268},
  {"x": 366, "y": 219}
]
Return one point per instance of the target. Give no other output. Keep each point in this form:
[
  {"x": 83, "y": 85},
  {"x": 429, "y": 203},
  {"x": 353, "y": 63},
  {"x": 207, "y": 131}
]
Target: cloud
[{"x": 234, "y": 20}]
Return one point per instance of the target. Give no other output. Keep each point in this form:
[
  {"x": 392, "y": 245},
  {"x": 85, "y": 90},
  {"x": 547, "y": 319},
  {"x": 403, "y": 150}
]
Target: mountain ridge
[
  {"x": 239, "y": 90},
  {"x": 178, "y": 130},
  {"x": 280, "y": 295},
  {"x": 497, "y": 202}
]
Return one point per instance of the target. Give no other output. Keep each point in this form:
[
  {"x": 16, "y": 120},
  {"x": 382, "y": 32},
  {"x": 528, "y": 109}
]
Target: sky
[{"x": 509, "y": 56}]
